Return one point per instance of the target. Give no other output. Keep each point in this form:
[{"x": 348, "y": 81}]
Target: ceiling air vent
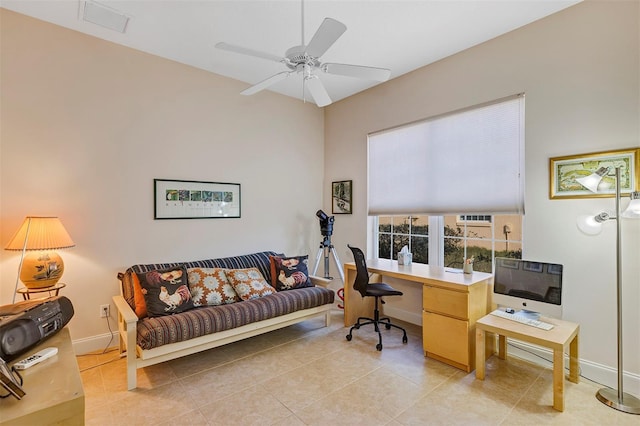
[{"x": 104, "y": 16}]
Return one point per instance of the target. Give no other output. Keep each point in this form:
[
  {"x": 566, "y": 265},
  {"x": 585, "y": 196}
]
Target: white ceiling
[{"x": 401, "y": 35}]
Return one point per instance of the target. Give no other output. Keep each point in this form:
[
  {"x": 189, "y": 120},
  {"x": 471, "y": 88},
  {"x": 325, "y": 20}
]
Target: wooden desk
[
  {"x": 563, "y": 335},
  {"x": 451, "y": 301},
  {"x": 54, "y": 393}
]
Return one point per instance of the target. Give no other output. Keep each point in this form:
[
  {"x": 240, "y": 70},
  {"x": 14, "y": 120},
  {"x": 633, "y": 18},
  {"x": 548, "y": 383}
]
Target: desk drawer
[
  {"x": 446, "y": 337},
  {"x": 446, "y": 302}
]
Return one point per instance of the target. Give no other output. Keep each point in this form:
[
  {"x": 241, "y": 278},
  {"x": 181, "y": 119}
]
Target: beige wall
[
  {"x": 86, "y": 127},
  {"x": 580, "y": 71}
]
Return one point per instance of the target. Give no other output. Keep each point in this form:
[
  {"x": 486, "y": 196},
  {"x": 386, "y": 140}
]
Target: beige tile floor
[{"x": 307, "y": 374}]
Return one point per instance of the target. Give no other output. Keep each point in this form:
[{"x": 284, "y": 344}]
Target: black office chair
[{"x": 377, "y": 290}]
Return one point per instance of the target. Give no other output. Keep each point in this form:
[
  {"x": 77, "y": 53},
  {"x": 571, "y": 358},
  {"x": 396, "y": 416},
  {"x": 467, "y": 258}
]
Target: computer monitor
[{"x": 532, "y": 288}]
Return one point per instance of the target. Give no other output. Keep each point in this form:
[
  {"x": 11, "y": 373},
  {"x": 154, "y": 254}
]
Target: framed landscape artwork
[
  {"x": 341, "y": 196},
  {"x": 563, "y": 172},
  {"x": 187, "y": 199}
]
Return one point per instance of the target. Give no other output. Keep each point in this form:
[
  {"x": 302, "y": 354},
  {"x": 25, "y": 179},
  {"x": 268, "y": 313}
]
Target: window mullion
[{"x": 436, "y": 240}]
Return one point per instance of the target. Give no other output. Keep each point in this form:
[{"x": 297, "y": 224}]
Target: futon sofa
[{"x": 148, "y": 340}]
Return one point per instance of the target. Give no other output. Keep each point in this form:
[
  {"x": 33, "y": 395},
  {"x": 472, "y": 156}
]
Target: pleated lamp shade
[{"x": 41, "y": 267}]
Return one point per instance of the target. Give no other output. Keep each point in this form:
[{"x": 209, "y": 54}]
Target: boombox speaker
[{"x": 25, "y": 324}]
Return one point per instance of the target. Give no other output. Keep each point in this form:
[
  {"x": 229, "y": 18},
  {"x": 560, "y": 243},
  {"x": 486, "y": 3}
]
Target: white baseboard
[
  {"x": 95, "y": 343},
  {"x": 593, "y": 371},
  {"x": 403, "y": 315}
]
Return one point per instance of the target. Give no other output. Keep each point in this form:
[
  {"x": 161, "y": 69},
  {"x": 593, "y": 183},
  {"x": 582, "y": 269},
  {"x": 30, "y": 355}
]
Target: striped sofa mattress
[{"x": 158, "y": 331}]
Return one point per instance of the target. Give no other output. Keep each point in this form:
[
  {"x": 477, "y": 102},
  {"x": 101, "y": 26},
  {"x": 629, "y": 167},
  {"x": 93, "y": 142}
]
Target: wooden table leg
[
  {"x": 558, "y": 379},
  {"x": 502, "y": 347},
  {"x": 480, "y": 354},
  {"x": 573, "y": 360}
]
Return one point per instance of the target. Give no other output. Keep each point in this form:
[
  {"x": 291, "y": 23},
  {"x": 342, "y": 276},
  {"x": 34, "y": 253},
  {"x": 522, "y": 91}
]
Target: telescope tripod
[{"x": 325, "y": 248}]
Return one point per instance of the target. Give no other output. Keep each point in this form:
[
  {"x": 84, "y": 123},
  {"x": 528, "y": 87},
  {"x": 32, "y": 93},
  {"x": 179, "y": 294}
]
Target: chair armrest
[
  {"x": 319, "y": 281},
  {"x": 124, "y": 310}
]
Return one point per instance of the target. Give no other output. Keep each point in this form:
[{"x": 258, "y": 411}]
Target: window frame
[{"x": 436, "y": 237}]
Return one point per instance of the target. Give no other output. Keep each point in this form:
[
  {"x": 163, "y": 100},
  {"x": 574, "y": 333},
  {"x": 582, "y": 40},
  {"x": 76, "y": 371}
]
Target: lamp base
[
  {"x": 41, "y": 269},
  {"x": 629, "y": 404}
]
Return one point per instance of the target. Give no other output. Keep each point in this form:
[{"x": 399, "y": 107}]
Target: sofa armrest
[
  {"x": 124, "y": 310},
  {"x": 127, "y": 322},
  {"x": 320, "y": 281}
]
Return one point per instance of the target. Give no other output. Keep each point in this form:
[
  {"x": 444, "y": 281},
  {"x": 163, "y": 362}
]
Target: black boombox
[{"x": 25, "y": 324}]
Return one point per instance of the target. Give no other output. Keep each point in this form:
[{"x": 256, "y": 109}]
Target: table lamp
[{"x": 38, "y": 238}]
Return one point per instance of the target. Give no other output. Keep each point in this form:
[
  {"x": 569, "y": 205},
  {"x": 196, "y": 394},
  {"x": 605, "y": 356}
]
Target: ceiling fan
[{"x": 305, "y": 59}]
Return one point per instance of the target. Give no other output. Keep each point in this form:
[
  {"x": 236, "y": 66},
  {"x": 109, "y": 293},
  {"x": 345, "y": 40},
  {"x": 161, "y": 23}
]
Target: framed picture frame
[
  {"x": 190, "y": 199},
  {"x": 341, "y": 197},
  {"x": 563, "y": 172}
]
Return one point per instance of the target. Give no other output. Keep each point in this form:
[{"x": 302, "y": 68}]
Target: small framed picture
[{"x": 342, "y": 197}]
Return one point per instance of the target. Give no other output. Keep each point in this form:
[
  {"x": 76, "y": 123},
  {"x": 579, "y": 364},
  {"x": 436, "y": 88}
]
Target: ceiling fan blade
[
  {"x": 266, "y": 83},
  {"x": 358, "y": 71},
  {"x": 328, "y": 32},
  {"x": 317, "y": 91},
  {"x": 247, "y": 51}
]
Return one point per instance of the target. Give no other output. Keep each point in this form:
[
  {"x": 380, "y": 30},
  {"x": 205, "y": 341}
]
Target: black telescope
[{"x": 326, "y": 223}]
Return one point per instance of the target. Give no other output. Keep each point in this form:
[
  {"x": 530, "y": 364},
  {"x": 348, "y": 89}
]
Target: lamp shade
[
  {"x": 40, "y": 233},
  {"x": 633, "y": 209},
  {"x": 592, "y": 225},
  {"x": 592, "y": 181},
  {"x": 41, "y": 267}
]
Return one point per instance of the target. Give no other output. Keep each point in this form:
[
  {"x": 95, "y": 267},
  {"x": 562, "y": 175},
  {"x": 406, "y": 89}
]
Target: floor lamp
[{"x": 592, "y": 225}]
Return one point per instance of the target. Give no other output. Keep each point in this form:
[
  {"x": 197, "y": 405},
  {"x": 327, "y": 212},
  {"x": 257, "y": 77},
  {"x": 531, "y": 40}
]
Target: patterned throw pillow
[
  {"x": 209, "y": 286},
  {"x": 166, "y": 291},
  {"x": 288, "y": 273},
  {"x": 249, "y": 283}
]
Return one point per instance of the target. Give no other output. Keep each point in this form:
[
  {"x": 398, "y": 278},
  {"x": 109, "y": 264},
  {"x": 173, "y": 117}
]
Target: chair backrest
[{"x": 362, "y": 274}]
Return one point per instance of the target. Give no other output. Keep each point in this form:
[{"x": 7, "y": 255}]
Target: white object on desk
[
  {"x": 404, "y": 257},
  {"x": 522, "y": 319},
  {"x": 36, "y": 358}
]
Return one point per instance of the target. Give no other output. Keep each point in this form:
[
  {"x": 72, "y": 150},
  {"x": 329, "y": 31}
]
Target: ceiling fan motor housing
[{"x": 297, "y": 55}]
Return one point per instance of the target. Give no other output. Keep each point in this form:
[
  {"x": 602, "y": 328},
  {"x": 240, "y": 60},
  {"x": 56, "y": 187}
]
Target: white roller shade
[{"x": 465, "y": 162}]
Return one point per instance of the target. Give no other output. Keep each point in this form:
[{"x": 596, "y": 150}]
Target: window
[
  {"x": 395, "y": 232},
  {"x": 450, "y": 187},
  {"x": 484, "y": 240},
  {"x": 478, "y": 218}
]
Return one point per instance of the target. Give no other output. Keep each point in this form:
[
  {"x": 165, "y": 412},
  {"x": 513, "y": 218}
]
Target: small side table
[
  {"x": 27, "y": 292},
  {"x": 563, "y": 336}
]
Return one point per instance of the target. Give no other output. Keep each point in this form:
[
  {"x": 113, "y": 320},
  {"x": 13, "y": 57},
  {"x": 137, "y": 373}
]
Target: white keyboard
[{"x": 522, "y": 320}]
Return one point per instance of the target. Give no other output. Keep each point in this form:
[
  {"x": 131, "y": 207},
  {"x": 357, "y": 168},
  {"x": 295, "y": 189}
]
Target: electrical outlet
[{"x": 104, "y": 311}]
